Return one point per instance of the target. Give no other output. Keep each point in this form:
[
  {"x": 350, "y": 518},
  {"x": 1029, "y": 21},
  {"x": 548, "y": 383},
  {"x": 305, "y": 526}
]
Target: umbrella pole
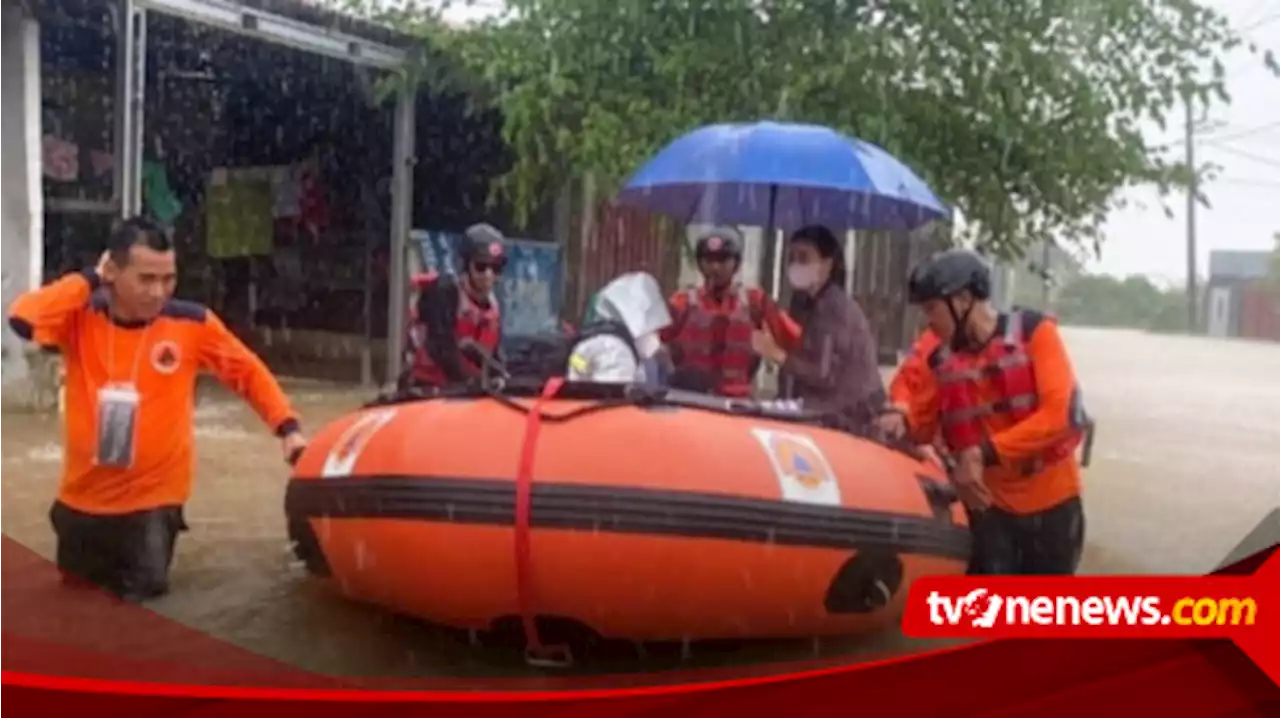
[{"x": 770, "y": 280}]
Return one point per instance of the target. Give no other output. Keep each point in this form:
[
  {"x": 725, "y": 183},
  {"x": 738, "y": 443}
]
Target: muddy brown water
[{"x": 1185, "y": 465}]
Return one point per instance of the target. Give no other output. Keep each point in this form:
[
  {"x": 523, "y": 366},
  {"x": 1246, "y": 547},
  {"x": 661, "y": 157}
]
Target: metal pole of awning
[
  {"x": 131, "y": 77},
  {"x": 402, "y": 161}
]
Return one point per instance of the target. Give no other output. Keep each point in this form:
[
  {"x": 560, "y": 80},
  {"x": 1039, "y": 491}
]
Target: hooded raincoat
[{"x": 621, "y": 339}]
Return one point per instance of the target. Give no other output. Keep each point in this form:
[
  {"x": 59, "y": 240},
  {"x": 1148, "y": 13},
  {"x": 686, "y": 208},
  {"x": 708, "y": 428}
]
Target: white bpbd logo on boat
[
  {"x": 342, "y": 457},
  {"x": 803, "y": 472}
]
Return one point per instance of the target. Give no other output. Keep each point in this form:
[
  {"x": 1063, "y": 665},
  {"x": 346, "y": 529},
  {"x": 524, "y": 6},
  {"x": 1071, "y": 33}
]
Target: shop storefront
[{"x": 251, "y": 130}]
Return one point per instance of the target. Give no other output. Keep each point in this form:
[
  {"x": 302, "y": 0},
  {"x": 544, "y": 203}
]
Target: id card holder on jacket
[{"x": 117, "y": 425}]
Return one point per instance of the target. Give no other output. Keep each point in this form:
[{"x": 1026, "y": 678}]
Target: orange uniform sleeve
[
  {"x": 785, "y": 330},
  {"x": 236, "y": 366},
  {"x": 1055, "y": 384},
  {"x": 904, "y": 381},
  {"x": 921, "y": 404},
  {"x": 45, "y": 315},
  {"x": 914, "y": 370}
]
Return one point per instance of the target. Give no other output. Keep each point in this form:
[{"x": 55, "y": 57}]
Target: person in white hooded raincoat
[{"x": 620, "y": 343}]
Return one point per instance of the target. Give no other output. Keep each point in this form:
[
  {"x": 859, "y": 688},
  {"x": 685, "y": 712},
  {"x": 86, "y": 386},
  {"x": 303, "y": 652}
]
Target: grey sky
[
  {"x": 1144, "y": 240},
  {"x": 1248, "y": 189}
]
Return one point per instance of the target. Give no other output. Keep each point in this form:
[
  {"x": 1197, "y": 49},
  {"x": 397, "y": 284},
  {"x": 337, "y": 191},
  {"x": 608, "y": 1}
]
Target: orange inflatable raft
[{"x": 659, "y": 517}]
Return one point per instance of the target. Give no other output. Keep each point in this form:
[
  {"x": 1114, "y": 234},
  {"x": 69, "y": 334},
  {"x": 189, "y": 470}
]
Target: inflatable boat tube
[{"x": 644, "y": 517}]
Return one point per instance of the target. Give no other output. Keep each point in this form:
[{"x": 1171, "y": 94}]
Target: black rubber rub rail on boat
[{"x": 618, "y": 510}]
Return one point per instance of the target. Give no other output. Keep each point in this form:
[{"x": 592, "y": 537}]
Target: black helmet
[
  {"x": 719, "y": 242},
  {"x": 483, "y": 243},
  {"x": 948, "y": 273}
]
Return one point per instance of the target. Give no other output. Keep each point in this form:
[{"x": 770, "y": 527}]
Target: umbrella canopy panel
[{"x": 785, "y": 176}]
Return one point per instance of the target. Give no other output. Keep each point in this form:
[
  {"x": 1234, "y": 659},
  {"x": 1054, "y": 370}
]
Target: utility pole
[{"x": 1192, "y": 324}]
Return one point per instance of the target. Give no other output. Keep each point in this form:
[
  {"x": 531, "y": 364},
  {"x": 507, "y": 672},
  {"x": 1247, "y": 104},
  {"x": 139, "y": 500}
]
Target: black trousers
[
  {"x": 1046, "y": 543},
  {"x": 127, "y": 554}
]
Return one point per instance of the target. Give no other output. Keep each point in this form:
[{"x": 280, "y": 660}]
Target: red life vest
[
  {"x": 718, "y": 341},
  {"x": 483, "y": 325},
  {"x": 1005, "y": 366}
]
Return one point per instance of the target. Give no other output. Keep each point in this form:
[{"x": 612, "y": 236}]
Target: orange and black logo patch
[{"x": 166, "y": 357}]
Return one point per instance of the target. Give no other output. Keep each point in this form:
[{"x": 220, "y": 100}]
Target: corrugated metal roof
[{"x": 1238, "y": 264}]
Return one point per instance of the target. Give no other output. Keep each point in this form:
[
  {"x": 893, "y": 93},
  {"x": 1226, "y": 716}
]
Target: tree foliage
[
  {"x": 1024, "y": 115},
  {"x": 1133, "y": 302}
]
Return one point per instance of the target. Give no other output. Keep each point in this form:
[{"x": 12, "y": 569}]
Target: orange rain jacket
[
  {"x": 162, "y": 359},
  {"x": 1015, "y": 444}
]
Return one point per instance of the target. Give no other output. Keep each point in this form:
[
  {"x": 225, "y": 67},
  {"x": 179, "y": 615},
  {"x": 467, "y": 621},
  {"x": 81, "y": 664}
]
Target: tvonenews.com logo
[
  {"x": 980, "y": 608},
  {"x": 1241, "y": 608}
]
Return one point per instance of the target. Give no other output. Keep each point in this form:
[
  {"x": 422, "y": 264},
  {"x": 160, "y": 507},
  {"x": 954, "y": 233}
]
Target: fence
[{"x": 621, "y": 239}]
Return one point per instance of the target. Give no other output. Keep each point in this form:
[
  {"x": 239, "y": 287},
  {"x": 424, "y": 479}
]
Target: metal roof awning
[
  {"x": 310, "y": 29},
  {"x": 271, "y": 27}
]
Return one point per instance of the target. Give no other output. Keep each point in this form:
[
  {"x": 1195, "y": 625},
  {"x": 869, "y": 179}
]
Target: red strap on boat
[{"x": 524, "y": 490}]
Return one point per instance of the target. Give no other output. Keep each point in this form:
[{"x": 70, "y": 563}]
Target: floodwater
[{"x": 1184, "y": 466}]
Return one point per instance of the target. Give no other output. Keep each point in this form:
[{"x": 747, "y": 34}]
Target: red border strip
[{"x": 96, "y": 685}]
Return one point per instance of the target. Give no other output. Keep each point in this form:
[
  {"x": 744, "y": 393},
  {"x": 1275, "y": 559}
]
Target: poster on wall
[
  {"x": 529, "y": 291},
  {"x": 238, "y": 213}
]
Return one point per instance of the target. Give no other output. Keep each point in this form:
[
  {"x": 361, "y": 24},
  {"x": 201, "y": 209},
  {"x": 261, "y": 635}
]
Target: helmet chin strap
[{"x": 959, "y": 337}]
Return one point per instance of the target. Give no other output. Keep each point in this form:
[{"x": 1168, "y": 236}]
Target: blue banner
[{"x": 529, "y": 291}]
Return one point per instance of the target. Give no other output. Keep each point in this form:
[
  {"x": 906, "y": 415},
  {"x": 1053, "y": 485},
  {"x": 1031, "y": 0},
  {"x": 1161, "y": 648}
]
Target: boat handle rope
[
  {"x": 648, "y": 401},
  {"x": 495, "y": 388},
  {"x": 536, "y": 654}
]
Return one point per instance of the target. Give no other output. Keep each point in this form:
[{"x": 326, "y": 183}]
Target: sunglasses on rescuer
[{"x": 497, "y": 267}]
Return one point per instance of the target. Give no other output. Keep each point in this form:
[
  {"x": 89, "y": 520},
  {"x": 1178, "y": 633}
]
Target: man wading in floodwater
[
  {"x": 1001, "y": 393},
  {"x": 132, "y": 354}
]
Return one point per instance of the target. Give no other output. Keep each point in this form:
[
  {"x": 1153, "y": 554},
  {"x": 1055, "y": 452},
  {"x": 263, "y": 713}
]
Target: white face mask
[
  {"x": 648, "y": 345},
  {"x": 802, "y": 276}
]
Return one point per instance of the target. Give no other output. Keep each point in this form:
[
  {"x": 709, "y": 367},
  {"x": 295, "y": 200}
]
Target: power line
[
  {"x": 1253, "y": 8},
  {"x": 1239, "y": 182},
  {"x": 1252, "y": 12},
  {"x": 1212, "y": 139},
  {"x": 1269, "y": 161},
  {"x": 1205, "y": 135},
  {"x": 1249, "y": 26},
  {"x": 1260, "y": 23}
]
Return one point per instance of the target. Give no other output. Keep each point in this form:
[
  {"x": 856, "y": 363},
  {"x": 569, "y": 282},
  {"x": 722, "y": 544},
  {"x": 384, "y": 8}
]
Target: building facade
[{"x": 1241, "y": 298}]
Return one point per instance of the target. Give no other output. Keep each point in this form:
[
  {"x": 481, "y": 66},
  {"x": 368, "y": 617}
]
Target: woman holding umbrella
[
  {"x": 835, "y": 367},
  {"x": 784, "y": 175}
]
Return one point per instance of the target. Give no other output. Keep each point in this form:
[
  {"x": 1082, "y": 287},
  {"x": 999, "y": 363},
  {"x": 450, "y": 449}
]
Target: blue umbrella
[{"x": 783, "y": 176}]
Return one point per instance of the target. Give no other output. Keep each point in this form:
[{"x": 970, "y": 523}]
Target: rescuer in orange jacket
[
  {"x": 1002, "y": 396},
  {"x": 133, "y": 354},
  {"x": 456, "y": 322},
  {"x": 712, "y": 325}
]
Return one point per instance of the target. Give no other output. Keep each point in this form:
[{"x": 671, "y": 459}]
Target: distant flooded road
[
  {"x": 1187, "y": 459},
  {"x": 1185, "y": 465}
]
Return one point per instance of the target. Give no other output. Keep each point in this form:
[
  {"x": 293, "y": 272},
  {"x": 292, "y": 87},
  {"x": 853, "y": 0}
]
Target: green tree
[
  {"x": 1134, "y": 302},
  {"x": 1024, "y": 115}
]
